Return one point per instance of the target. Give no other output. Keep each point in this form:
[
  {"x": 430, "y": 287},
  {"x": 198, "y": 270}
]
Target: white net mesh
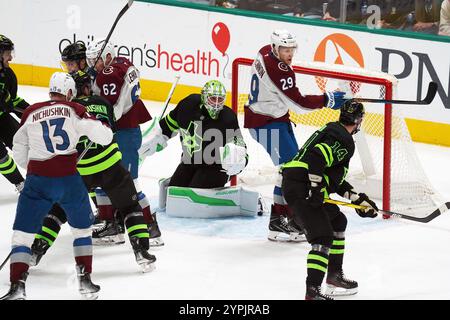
[{"x": 410, "y": 190}]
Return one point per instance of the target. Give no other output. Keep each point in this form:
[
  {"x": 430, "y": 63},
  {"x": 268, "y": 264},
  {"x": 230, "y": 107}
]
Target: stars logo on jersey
[
  {"x": 191, "y": 142},
  {"x": 283, "y": 66}
]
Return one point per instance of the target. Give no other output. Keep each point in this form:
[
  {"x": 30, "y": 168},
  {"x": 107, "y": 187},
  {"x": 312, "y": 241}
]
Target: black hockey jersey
[
  {"x": 98, "y": 157},
  {"x": 8, "y": 84},
  {"x": 326, "y": 153},
  {"x": 200, "y": 135}
]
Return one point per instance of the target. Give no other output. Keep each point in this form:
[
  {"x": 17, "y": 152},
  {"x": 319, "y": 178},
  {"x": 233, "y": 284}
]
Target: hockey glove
[
  {"x": 316, "y": 194},
  {"x": 362, "y": 199},
  {"x": 155, "y": 141},
  {"x": 233, "y": 158},
  {"x": 334, "y": 99}
]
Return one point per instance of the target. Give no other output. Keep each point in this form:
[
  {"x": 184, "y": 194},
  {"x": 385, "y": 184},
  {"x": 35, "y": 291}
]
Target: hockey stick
[
  {"x": 6, "y": 260},
  {"x": 445, "y": 207},
  {"x": 121, "y": 13},
  {"x": 431, "y": 93},
  {"x": 166, "y": 103}
]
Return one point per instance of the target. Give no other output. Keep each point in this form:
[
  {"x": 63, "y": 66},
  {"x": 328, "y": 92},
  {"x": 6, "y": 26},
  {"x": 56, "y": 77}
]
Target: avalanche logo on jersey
[
  {"x": 108, "y": 70},
  {"x": 283, "y": 67}
]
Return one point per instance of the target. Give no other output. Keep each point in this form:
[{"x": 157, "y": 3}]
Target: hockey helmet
[
  {"x": 74, "y": 52},
  {"x": 352, "y": 112},
  {"x": 61, "y": 83},
  {"x": 282, "y": 38},
  {"x": 82, "y": 80},
  {"x": 6, "y": 44},
  {"x": 94, "y": 49},
  {"x": 213, "y": 96}
]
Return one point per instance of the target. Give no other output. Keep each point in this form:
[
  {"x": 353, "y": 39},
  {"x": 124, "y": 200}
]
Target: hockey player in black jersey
[
  {"x": 101, "y": 167},
  {"x": 212, "y": 143},
  {"x": 318, "y": 169},
  {"x": 9, "y": 103},
  {"x": 74, "y": 57}
]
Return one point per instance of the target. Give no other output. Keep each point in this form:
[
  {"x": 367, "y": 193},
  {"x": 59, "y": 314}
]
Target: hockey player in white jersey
[
  {"x": 45, "y": 144},
  {"x": 117, "y": 81},
  {"x": 273, "y": 92}
]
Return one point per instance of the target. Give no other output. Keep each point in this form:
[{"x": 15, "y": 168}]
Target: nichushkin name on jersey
[{"x": 51, "y": 112}]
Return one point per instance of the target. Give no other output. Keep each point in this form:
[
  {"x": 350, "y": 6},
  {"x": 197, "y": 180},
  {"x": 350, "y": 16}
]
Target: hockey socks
[
  {"x": 137, "y": 228},
  {"x": 51, "y": 226},
  {"x": 9, "y": 169},
  {"x": 337, "y": 252},
  {"x": 317, "y": 264}
]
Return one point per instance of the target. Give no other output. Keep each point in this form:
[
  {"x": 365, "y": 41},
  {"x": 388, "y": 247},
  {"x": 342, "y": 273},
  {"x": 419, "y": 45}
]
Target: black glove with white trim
[{"x": 362, "y": 199}]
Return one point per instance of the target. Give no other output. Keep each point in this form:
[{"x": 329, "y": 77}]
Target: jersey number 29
[{"x": 59, "y": 132}]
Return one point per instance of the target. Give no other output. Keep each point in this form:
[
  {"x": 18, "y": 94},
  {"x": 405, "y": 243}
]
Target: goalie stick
[
  {"x": 166, "y": 103},
  {"x": 443, "y": 208},
  {"x": 431, "y": 93}
]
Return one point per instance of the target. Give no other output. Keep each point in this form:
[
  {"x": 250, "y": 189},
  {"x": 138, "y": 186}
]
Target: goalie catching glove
[
  {"x": 233, "y": 158},
  {"x": 155, "y": 141},
  {"x": 371, "y": 210}
]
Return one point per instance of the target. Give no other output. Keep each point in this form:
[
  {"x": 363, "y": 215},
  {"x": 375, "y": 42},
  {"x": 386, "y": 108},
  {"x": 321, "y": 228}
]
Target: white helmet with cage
[
  {"x": 93, "y": 51},
  {"x": 282, "y": 38},
  {"x": 62, "y": 83}
]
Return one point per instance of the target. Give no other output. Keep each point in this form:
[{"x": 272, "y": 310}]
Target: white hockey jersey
[
  {"x": 119, "y": 84},
  {"x": 273, "y": 92},
  {"x": 46, "y": 141}
]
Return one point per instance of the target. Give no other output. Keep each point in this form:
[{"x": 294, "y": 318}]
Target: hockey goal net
[{"x": 385, "y": 165}]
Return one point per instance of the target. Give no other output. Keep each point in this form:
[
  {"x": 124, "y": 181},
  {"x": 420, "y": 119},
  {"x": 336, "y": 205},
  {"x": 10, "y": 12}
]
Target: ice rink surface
[{"x": 232, "y": 258}]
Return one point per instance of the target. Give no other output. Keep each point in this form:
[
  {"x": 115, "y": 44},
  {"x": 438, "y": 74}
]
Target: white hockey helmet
[
  {"x": 61, "y": 83},
  {"x": 94, "y": 48},
  {"x": 282, "y": 38}
]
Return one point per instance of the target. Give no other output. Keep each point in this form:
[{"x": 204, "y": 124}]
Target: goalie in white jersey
[
  {"x": 273, "y": 93},
  {"x": 45, "y": 144}
]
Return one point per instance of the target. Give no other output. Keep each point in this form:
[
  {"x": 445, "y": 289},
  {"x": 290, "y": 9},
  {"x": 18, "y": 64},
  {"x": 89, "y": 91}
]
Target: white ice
[{"x": 232, "y": 258}]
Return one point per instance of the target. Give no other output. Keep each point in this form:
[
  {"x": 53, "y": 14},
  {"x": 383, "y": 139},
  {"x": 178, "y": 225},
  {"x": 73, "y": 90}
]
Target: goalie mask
[
  {"x": 213, "y": 97},
  {"x": 352, "y": 112}
]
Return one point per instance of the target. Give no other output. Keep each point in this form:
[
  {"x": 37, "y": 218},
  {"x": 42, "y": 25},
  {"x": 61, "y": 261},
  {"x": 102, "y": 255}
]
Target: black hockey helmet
[
  {"x": 352, "y": 112},
  {"x": 74, "y": 52},
  {"x": 5, "y": 43},
  {"x": 82, "y": 80}
]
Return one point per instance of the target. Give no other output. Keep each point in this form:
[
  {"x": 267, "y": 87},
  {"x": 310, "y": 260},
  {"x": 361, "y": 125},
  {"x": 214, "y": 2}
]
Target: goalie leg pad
[{"x": 211, "y": 203}]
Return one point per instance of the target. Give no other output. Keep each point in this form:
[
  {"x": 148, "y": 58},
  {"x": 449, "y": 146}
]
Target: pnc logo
[{"x": 338, "y": 48}]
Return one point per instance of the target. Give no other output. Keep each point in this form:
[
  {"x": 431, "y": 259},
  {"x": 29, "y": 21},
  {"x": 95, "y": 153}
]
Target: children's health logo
[{"x": 221, "y": 37}]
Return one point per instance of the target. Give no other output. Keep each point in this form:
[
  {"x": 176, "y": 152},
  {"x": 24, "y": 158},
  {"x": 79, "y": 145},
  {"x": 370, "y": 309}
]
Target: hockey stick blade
[
  {"x": 445, "y": 207},
  {"x": 431, "y": 93}
]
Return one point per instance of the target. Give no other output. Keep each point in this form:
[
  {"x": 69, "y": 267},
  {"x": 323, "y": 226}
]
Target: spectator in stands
[
  {"x": 444, "y": 28},
  {"x": 427, "y": 14},
  {"x": 227, "y": 3}
]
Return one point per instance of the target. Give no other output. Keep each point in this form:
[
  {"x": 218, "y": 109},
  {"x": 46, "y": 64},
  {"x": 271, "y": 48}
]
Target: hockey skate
[
  {"x": 314, "y": 293},
  {"x": 282, "y": 228},
  {"x": 144, "y": 259},
  {"x": 88, "y": 290},
  {"x": 108, "y": 234},
  {"x": 338, "y": 285},
  {"x": 155, "y": 233},
  {"x": 38, "y": 250},
  {"x": 17, "y": 290}
]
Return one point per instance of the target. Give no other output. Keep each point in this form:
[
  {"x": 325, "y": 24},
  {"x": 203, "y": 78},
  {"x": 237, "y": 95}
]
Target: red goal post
[{"x": 339, "y": 73}]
